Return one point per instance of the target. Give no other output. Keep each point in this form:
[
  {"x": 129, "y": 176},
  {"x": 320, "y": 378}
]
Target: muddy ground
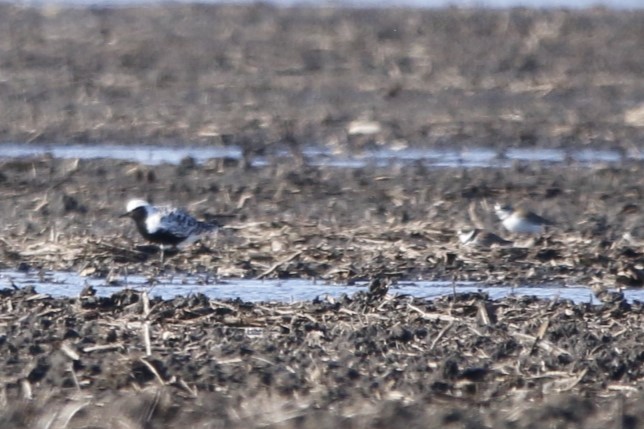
[
  {"x": 372, "y": 360},
  {"x": 273, "y": 81},
  {"x": 336, "y": 224}
]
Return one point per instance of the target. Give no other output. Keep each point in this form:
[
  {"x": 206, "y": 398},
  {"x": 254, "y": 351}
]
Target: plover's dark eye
[{"x": 138, "y": 213}]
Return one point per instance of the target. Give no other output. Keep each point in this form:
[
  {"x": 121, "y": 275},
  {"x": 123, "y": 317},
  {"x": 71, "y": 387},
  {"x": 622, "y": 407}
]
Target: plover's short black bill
[
  {"x": 167, "y": 226},
  {"x": 521, "y": 221}
]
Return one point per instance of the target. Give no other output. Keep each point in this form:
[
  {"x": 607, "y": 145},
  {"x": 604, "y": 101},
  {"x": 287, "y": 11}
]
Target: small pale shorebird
[
  {"x": 479, "y": 238},
  {"x": 520, "y": 221},
  {"x": 166, "y": 226},
  {"x": 633, "y": 237}
]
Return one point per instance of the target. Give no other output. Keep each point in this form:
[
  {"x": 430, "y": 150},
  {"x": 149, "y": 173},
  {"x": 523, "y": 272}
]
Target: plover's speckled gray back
[
  {"x": 520, "y": 221},
  {"x": 480, "y": 238},
  {"x": 167, "y": 226}
]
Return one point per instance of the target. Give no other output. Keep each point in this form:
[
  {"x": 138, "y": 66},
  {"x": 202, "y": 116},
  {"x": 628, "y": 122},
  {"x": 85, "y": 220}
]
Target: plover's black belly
[{"x": 161, "y": 237}]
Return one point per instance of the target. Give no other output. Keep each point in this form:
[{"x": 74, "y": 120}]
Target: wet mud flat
[
  {"x": 370, "y": 360},
  {"x": 339, "y": 224}
]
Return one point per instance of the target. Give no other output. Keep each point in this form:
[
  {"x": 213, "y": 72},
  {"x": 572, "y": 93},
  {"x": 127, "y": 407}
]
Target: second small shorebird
[
  {"x": 480, "y": 238},
  {"x": 167, "y": 226},
  {"x": 520, "y": 221}
]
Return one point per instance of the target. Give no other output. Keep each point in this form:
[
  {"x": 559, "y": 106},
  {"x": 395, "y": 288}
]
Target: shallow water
[
  {"x": 63, "y": 284},
  {"x": 149, "y": 155},
  {"x": 319, "y": 156}
]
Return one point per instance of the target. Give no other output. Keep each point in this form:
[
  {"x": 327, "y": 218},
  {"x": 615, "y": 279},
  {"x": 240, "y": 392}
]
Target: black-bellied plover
[
  {"x": 521, "y": 221},
  {"x": 167, "y": 226}
]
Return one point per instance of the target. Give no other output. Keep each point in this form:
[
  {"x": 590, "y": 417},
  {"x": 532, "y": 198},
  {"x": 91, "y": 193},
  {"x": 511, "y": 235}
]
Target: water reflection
[
  {"x": 63, "y": 284},
  {"x": 320, "y": 156},
  {"x": 149, "y": 155}
]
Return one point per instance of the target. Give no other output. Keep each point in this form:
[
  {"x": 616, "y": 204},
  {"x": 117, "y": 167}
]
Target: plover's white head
[
  {"x": 138, "y": 210},
  {"x": 135, "y": 204},
  {"x": 520, "y": 221}
]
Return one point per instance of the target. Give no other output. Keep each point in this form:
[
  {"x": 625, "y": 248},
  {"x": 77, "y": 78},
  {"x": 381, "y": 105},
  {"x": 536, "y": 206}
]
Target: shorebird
[
  {"x": 166, "y": 226},
  {"x": 520, "y": 221},
  {"x": 480, "y": 238},
  {"x": 634, "y": 237}
]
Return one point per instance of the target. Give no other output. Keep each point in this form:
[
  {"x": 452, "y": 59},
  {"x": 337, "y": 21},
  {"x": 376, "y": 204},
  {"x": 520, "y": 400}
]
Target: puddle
[
  {"x": 62, "y": 284},
  {"x": 149, "y": 155},
  {"x": 320, "y": 156},
  {"x": 540, "y": 155},
  {"x": 475, "y": 157},
  {"x": 583, "y": 156}
]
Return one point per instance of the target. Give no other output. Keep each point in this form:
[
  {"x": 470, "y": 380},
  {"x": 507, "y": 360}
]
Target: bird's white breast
[
  {"x": 466, "y": 237},
  {"x": 153, "y": 221},
  {"x": 521, "y": 225}
]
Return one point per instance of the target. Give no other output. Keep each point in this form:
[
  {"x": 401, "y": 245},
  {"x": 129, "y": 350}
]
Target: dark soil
[
  {"x": 273, "y": 81},
  {"x": 366, "y": 361}
]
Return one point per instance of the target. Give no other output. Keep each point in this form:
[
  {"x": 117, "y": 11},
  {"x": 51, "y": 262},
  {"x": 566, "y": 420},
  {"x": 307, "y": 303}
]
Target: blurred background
[
  {"x": 261, "y": 76},
  {"x": 621, "y": 4}
]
